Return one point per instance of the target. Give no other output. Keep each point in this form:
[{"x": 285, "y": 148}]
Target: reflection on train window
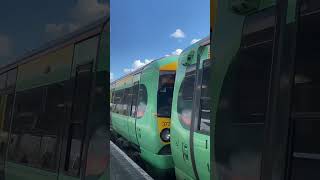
[
  {"x": 25, "y": 140},
  {"x": 128, "y": 99},
  {"x": 165, "y": 93},
  {"x": 185, "y": 96},
  {"x": 205, "y": 99},
  {"x": 125, "y": 101},
  {"x": 142, "y": 100},
  {"x": 74, "y": 156}
]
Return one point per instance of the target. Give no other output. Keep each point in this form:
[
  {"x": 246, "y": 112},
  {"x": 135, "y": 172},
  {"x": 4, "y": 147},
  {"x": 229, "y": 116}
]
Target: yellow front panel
[{"x": 162, "y": 124}]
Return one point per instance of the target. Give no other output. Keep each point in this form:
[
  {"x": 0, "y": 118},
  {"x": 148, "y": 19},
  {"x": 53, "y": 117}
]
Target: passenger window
[
  {"x": 128, "y": 101},
  {"x": 142, "y": 101},
  {"x": 205, "y": 100},
  {"x": 125, "y": 101},
  {"x": 25, "y": 140},
  {"x": 185, "y": 97},
  {"x": 165, "y": 93}
]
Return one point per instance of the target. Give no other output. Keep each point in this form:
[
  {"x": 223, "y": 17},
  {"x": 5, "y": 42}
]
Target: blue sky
[
  {"x": 30, "y": 24},
  {"x": 143, "y": 30}
]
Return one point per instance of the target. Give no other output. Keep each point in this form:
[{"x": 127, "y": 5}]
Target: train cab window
[
  {"x": 24, "y": 147},
  {"x": 142, "y": 101},
  {"x": 135, "y": 90},
  {"x": 165, "y": 93},
  {"x": 185, "y": 97},
  {"x": 205, "y": 99}
]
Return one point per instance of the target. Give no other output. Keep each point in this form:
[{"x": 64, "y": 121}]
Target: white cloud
[
  {"x": 167, "y": 55},
  {"x": 5, "y": 45},
  {"x": 84, "y": 12},
  {"x": 88, "y": 10},
  {"x": 177, "y": 52},
  {"x": 136, "y": 65},
  {"x": 111, "y": 76},
  {"x": 194, "y": 41},
  {"x": 178, "y": 34}
]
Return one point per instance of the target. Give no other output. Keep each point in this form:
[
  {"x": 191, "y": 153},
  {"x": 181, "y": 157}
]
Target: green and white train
[{"x": 155, "y": 109}]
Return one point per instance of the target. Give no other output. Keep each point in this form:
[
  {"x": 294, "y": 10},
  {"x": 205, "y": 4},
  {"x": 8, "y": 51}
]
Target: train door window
[
  {"x": 305, "y": 157},
  {"x": 205, "y": 99},
  {"x": 3, "y": 79},
  {"x": 165, "y": 93},
  {"x": 25, "y": 139},
  {"x": 79, "y": 116},
  {"x": 185, "y": 96},
  {"x": 240, "y": 120},
  {"x": 125, "y": 101},
  {"x": 142, "y": 101},
  {"x": 129, "y": 101},
  {"x": 135, "y": 90},
  {"x": 12, "y": 76}
]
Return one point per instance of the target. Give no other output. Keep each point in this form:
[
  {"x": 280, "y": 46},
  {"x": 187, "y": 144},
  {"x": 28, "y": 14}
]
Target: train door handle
[
  {"x": 185, "y": 152},
  {"x": 208, "y": 166}
]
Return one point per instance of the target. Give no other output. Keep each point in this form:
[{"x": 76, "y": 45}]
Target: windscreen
[{"x": 165, "y": 93}]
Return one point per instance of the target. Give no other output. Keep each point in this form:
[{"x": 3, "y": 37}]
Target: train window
[
  {"x": 142, "y": 100},
  {"x": 185, "y": 96},
  {"x": 12, "y": 76},
  {"x": 3, "y": 79},
  {"x": 240, "y": 119},
  {"x": 165, "y": 93},
  {"x": 205, "y": 99},
  {"x": 135, "y": 90},
  {"x": 25, "y": 138},
  {"x": 305, "y": 158},
  {"x": 6, "y": 110}
]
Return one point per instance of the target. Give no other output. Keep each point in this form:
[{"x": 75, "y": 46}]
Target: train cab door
[
  {"x": 200, "y": 131},
  {"x": 132, "y": 113},
  {"x": 181, "y": 122},
  {"x": 72, "y": 165},
  {"x": 304, "y": 153}
]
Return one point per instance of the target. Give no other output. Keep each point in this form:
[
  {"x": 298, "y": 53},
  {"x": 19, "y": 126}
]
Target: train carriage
[
  {"x": 190, "y": 128},
  {"x": 53, "y": 109},
  {"x": 141, "y": 111}
]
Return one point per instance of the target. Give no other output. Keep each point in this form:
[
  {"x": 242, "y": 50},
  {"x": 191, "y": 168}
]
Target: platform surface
[{"x": 123, "y": 168}]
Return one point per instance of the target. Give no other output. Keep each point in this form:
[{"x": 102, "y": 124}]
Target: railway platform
[{"x": 122, "y": 167}]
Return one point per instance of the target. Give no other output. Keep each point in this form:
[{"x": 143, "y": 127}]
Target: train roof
[
  {"x": 92, "y": 28},
  {"x": 137, "y": 71},
  {"x": 203, "y": 42}
]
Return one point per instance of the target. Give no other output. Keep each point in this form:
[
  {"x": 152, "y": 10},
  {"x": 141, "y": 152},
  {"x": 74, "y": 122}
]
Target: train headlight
[{"x": 165, "y": 135}]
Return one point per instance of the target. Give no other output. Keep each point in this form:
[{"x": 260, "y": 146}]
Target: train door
[
  {"x": 74, "y": 160},
  {"x": 200, "y": 131},
  {"x": 132, "y": 113},
  {"x": 304, "y": 157},
  {"x": 181, "y": 121}
]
